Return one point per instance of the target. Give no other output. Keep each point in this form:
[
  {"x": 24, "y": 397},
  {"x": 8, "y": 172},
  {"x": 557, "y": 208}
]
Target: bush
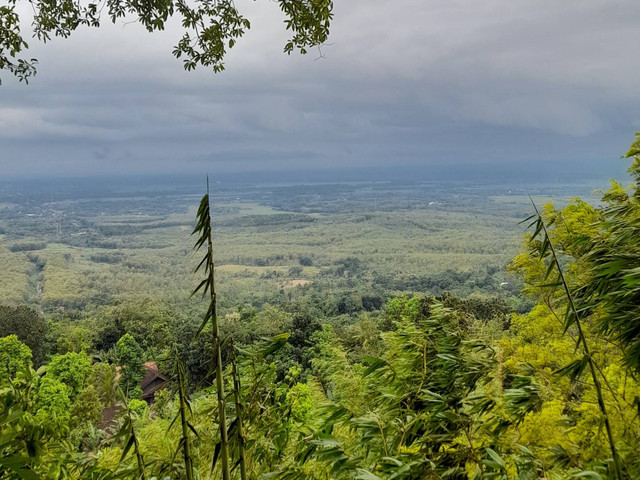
[
  {"x": 306, "y": 261},
  {"x": 295, "y": 271},
  {"x": 139, "y": 407},
  {"x": 299, "y": 401},
  {"x": 87, "y": 408},
  {"x": 52, "y": 404},
  {"x": 131, "y": 360},
  {"x": 71, "y": 369},
  {"x": 14, "y": 355},
  {"x": 28, "y": 326},
  {"x": 27, "y": 246}
]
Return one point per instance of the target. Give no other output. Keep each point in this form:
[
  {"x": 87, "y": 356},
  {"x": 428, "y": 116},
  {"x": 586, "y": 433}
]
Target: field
[{"x": 69, "y": 250}]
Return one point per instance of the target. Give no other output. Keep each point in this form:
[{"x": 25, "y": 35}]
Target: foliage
[
  {"x": 299, "y": 401},
  {"x": 414, "y": 387},
  {"x": 185, "y": 413},
  {"x": 612, "y": 258},
  {"x": 14, "y": 282},
  {"x": 303, "y": 325},
  {"x": 150, "y": 323},
  {"x": 71, "y": 369},
  {"x": 572, "y": 318},
  {"x": 419, "y": 404},
  {"x": 27, "y": 246},
  {"x": 30, "y": 327},
  {"x": 210, "y": 27},
  {"x": 104, "y": 380},
  {"x": 161, "y": 406},
  {"x": 567, "y": 303},
  {"x": 14, "y": 356},
  {"x": 29, "y": 445},
  {"x": 131, "y": 360},
  {"x": 87, "y": 407},
  {"x": 128, "y": 432},
  {"x": 67, "y": 337},
  {"x": 53, "y": 404},
  {"x": 139, "y": 407}
]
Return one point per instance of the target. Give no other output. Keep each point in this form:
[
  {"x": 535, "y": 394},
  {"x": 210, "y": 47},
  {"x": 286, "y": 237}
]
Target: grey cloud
[{"x": 404, "y": 82}]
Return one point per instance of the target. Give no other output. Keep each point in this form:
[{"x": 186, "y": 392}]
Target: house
[{"x": 152, "y": 382}]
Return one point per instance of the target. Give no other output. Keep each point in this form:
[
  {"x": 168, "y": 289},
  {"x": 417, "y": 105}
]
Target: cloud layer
[{"x": 401, "y": 83}]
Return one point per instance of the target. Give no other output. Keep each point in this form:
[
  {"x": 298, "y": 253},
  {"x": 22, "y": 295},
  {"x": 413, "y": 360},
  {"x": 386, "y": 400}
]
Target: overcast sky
[{"x": 402, "y": 82}]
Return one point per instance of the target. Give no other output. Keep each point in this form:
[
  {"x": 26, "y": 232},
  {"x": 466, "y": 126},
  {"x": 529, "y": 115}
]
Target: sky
[{"x": 399, "y": 83}]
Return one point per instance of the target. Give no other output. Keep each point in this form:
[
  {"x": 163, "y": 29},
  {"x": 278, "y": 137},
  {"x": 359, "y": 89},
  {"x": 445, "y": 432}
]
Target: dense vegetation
[{"x": 374, "y": 382}]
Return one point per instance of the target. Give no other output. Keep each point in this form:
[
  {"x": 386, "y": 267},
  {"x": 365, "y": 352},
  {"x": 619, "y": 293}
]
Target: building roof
[{"x": 152, "y": 381}]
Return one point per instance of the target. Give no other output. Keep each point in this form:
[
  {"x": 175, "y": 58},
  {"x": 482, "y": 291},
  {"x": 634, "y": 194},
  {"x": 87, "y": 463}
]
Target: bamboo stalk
[
  {"x": 139, "y": 458},
  {"x": 582, "y": 339},
  {"x": 186, "y": 443},
  {"x": 203, "y": 227},
  {"x": 132, "y": 439},
  {"x": 224, "y": 441},
  {"x": 239, "y": 410}
]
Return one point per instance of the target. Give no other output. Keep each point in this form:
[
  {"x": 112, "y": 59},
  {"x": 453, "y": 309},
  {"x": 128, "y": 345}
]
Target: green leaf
[
  {"x": 375, "y": 364},
  {"x": 127, "y": 447},
  {"x": 588, "y": 475},
  {"x": 575, "y": 369},
  {"x": 495, "y": 460},
  {"x": 365, "y": 475},
  {"x": 276, "y": 344}
]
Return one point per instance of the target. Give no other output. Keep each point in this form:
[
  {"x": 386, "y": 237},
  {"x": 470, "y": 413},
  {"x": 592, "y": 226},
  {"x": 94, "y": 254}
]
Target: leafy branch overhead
[{"x": 211, "y": 27}]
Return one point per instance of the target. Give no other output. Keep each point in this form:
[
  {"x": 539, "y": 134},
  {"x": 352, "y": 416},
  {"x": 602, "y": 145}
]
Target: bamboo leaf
[
  {"x": 276, "y": 344},
  {"x": 200, "y": 285},
  {"x": 575, "y": 369},
  {"x": 127, "y": 447},
  {"x": 529, "y": 218},
  {"x": 173, "y": 421},
  {"x": 192, "y": 428},
  {"x": 216, "y": 454},
  {"x": 375, "y": 364},
  {"x": 587, "y": 475},
  {"x": 494, "y": 461},
  {"x": 365, "y": 475}
]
